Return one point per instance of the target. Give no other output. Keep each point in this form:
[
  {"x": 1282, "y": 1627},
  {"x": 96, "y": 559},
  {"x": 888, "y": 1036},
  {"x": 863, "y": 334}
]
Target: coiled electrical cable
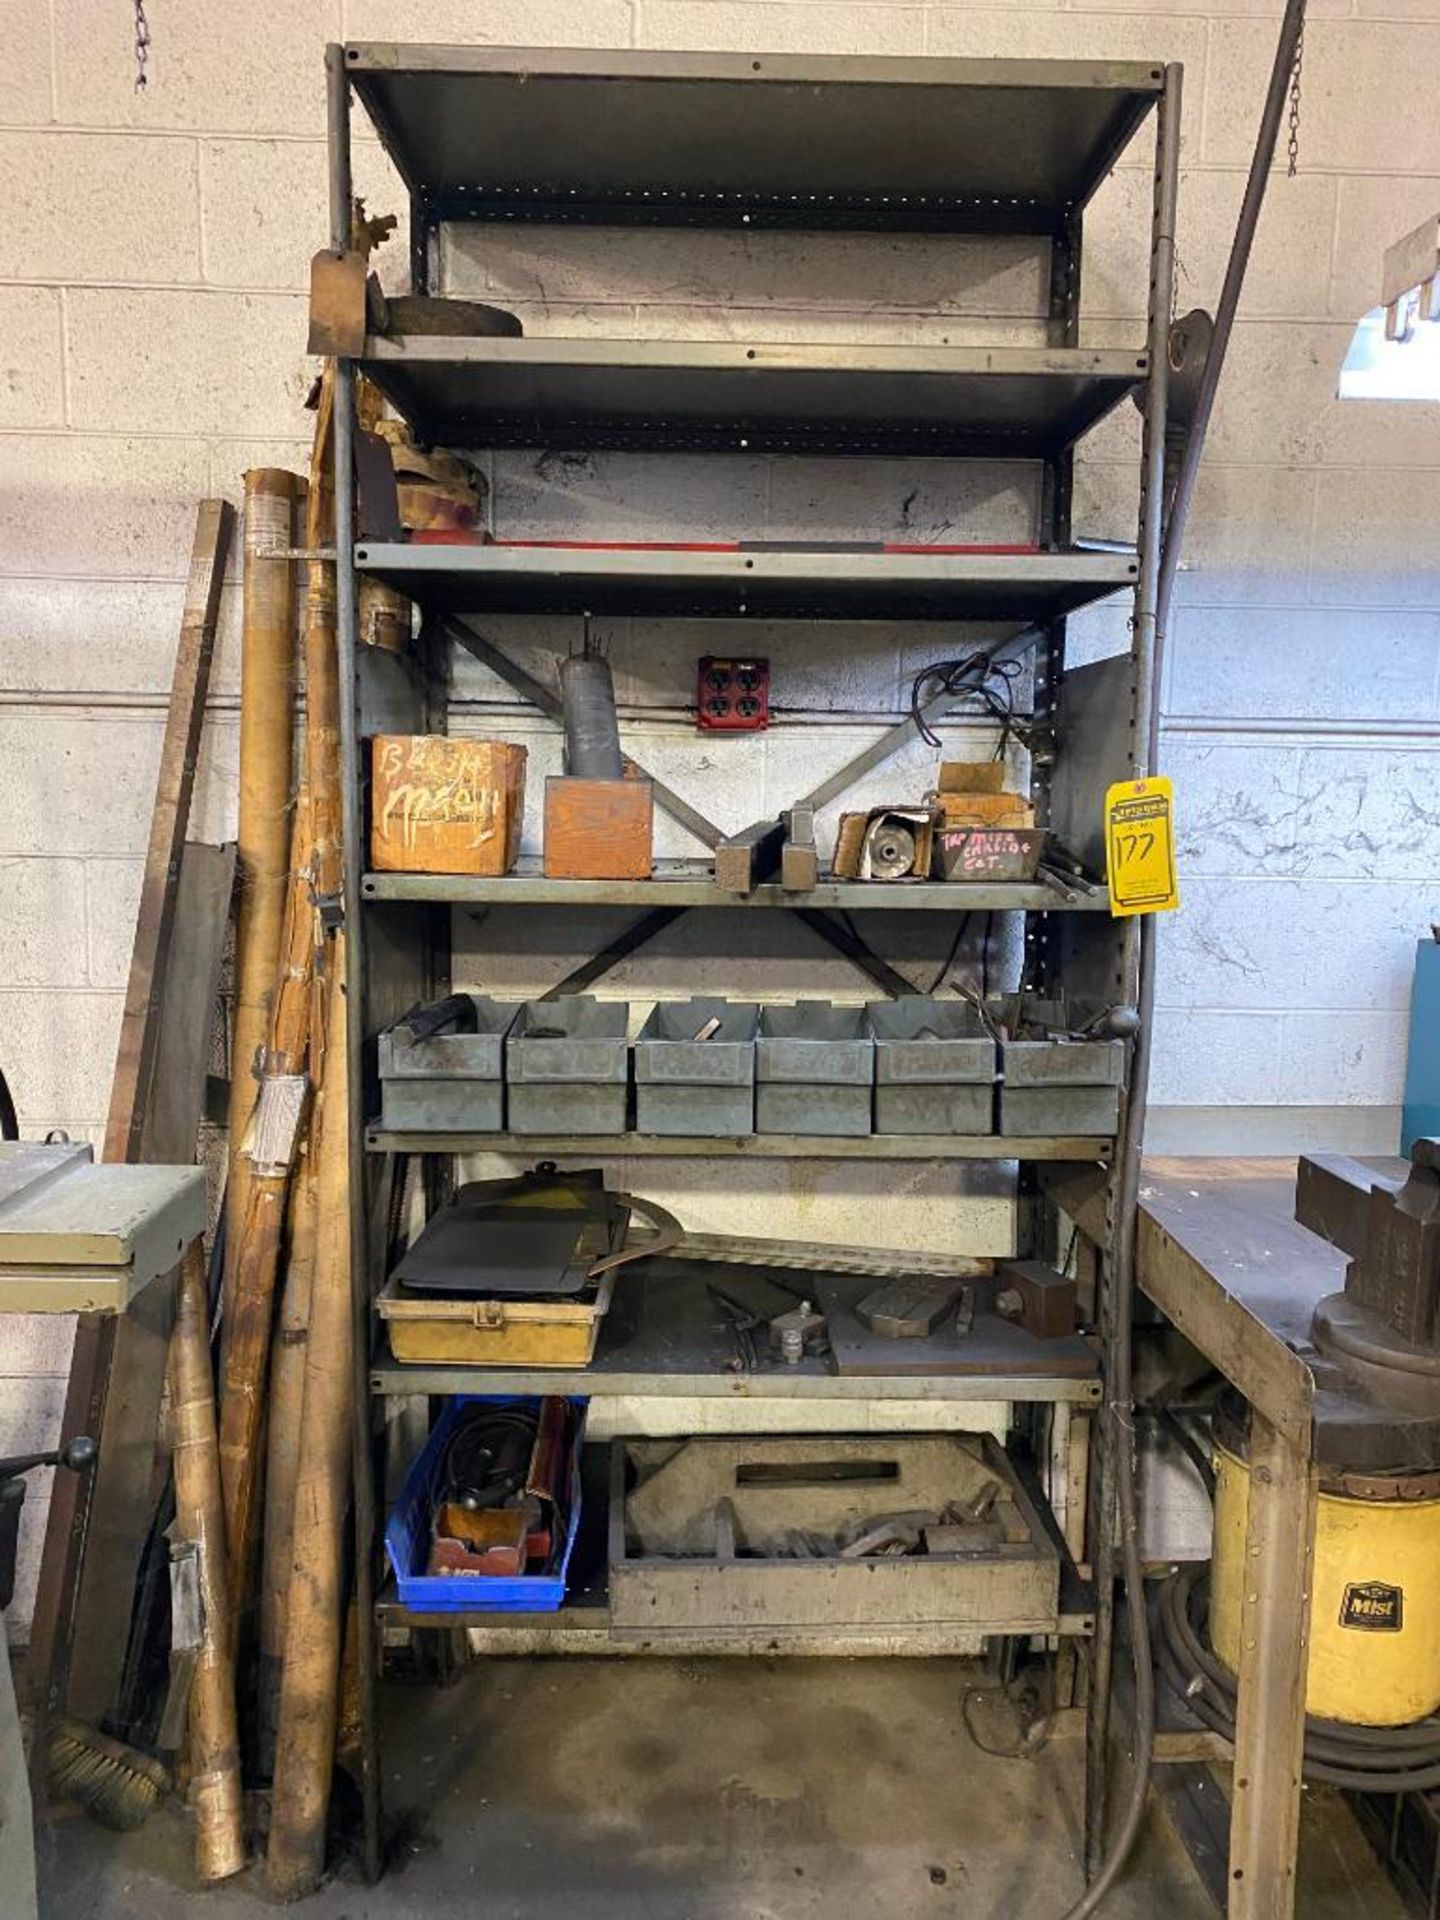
[{"x": 1360, "y": 1759}]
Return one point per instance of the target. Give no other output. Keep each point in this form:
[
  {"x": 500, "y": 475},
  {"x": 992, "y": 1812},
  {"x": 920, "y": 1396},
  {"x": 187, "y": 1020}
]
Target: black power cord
[{"x": 976, "y": 677}]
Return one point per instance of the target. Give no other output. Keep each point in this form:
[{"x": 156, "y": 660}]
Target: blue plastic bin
[{"x": 407, "y": 1533}]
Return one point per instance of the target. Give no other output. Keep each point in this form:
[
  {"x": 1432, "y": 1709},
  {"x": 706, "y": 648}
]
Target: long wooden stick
[
  {"x": 59, "y": 1611},
  {"x": 214, "y": 1741},
  {"x": 282, "y": 1456},
  {"x": 267, "y": 1159},
  {"x": 305, "y": 1748},
  {"x": 267, "y": 709},
  {"x": 179, "y": 753}
]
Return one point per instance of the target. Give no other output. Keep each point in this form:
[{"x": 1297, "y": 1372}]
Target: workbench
[{"x": 1220, "y": 1253}]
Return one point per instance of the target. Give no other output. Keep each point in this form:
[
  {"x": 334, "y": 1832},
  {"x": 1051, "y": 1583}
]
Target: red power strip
[{"x": 732, "y": 696}]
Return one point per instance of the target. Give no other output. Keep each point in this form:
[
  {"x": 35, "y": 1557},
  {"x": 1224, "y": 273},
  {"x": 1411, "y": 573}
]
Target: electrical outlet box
[{"x": 732, "y": 696}]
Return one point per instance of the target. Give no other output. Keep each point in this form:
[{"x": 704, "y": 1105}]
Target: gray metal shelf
[
  {"x": 697, "y": 396},
  {"x": 666, "y": 1338},
  {"x": 729, "y": 139},
  {"x": 691, "y": 884},
  {"x": 753, "y": 1146},
  {"x": 769, "y": 584}
]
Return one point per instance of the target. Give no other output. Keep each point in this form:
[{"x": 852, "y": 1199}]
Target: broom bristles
[{"x": 113, "y": 1783}]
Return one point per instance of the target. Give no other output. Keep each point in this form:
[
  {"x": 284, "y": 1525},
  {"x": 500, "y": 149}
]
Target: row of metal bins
[{"x": 716, "y": 1068}]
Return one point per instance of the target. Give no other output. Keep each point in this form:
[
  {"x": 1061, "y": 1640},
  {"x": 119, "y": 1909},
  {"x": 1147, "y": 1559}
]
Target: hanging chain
[
  {"x": 142, "y": 46},
  {"x": 1292, "y": 144}
]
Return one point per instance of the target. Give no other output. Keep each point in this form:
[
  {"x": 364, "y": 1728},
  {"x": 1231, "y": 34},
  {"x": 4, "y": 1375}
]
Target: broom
[{"x": 113, "y": 1783}]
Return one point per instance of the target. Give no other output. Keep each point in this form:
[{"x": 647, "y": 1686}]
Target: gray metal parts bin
[
  {"x": 1055, "y": 1085},
  {"x": 689, "y": 1084},
  {"x": 814, "y": 1069},
  {"x": 442, "y": 1068},
  {"x": 567, "y": 1066},
  {"x": 934, "y": 1067}
]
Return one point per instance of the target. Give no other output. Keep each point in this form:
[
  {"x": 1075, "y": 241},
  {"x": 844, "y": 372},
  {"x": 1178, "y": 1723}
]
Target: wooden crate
[
  {"x": 445, "y": 806},
  {"x": 598, "y": 829}
]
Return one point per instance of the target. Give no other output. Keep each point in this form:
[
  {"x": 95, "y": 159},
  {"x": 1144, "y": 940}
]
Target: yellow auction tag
[{"x": 1140, "y": 846}]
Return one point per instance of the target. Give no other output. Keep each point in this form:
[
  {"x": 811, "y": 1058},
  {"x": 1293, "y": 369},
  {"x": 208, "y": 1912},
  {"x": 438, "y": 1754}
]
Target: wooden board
[{"x": 598, "y": 829}]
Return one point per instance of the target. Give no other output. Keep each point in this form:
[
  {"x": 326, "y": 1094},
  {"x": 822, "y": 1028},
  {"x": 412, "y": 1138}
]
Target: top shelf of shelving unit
[{"x": 764, "y": 140}]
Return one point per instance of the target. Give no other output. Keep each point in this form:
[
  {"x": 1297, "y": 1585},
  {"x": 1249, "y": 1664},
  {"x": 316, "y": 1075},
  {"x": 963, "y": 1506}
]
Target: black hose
[
  {"x": 1119, "y": 1409},
  {"x": 9, "y": 1119},
  {"x": 1358, "y": 1759},
  {"x": 1188, "y": 1445}
]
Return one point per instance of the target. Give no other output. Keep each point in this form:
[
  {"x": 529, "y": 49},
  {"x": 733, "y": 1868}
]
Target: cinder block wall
[{"x": 152, "y": 268}]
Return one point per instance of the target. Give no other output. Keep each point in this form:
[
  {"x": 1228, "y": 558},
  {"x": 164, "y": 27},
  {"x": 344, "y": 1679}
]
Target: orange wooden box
[
  {"x": 598, "y": 829},
  {"x": 445, "y": 806}
]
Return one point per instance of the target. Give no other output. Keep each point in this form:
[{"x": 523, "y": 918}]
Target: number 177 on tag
[{"x": 1140, "y": 846}]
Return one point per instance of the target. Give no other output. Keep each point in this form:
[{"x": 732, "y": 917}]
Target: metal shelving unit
[{"x": 634, "y": 139}]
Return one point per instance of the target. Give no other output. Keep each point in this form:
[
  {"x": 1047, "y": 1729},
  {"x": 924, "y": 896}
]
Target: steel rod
[
  {"x": 341, "y": 192},
  {"x": 1116, "y": 1503}
]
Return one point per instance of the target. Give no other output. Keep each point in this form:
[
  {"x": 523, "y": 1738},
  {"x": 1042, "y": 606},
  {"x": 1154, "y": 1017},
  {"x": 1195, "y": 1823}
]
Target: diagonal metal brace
[{"x": 620, "y": 948}]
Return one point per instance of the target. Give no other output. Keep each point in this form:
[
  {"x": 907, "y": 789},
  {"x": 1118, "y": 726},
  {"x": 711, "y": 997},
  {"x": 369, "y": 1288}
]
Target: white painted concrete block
[
  {"x": 539, "y": 23},
  {"x": 101, "y": 207},
  {"x": 925, "y": 502},
  {"x": 221, "y": 363},
  {"x": 114, "y": 636},
  {"x": 1343, "y": 1058},
  {"x": 102, "y": 507},
  {"x": 704, "y": 276},
  {"x": 32, "y": 390},
  {"x": 264, "y": 211},
  {"x": 1368, "y": 95},
  {"x": 251, "y": 69},
  {"x": 1216, "y": 1059},
  {"x": 1374, "y": 542},
  {"x": 1238, "y": 807},
  {"x": 598, "y": 496},
  {"x": 42, "y": 930},
  {"x": 1292, "y": 944},
  {"x": 839, "y": 27},
  {"x": 55, "y": 804},
  {"x": 26, "y": 101},
  {"x": 1247, "y": 542},
  {"x": 36, "y": 1344},
  {"x": 1303, "y": 663},
  {"x": 59, "y": 1054},
  {"x": 1373, "y": 812},
  {"x": 112, "y": 900}
]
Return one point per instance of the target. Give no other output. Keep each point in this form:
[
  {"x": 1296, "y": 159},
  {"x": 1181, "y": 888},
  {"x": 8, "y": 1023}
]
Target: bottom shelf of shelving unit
[{"x": 583, "y": 1624}]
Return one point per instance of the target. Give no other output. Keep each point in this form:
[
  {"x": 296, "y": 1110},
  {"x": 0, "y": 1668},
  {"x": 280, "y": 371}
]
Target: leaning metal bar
[
  {"x": 1291, "y": 28},
  {"x": 337, "y": 94},
  {"x": 1117, "y": 1495}
]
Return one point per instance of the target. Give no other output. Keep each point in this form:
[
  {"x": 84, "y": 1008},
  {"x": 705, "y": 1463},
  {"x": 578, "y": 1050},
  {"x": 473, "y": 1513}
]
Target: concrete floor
[{"x": 707, "y": 1790}]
